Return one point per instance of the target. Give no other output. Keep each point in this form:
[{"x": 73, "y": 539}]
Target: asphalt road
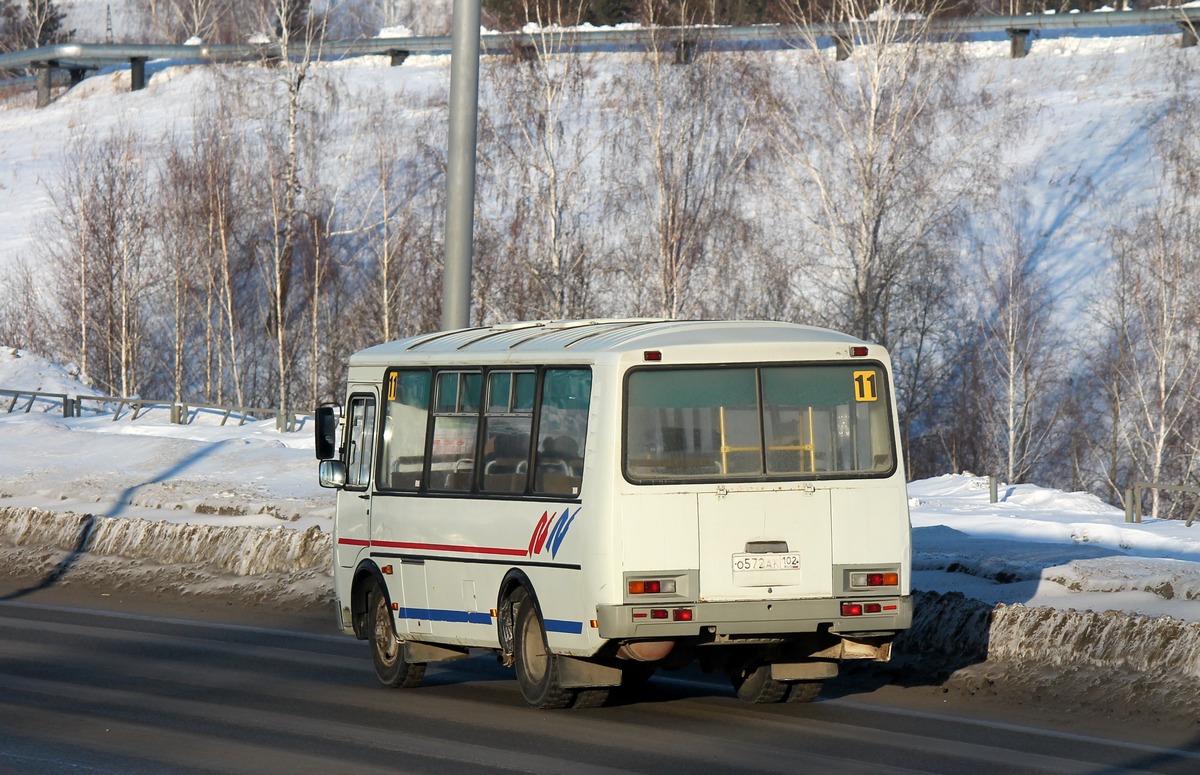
[{"x": 172, "y": 686}]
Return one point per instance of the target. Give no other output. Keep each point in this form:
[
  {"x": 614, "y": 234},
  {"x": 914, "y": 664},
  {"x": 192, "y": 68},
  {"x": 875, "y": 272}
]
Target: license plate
[{"x": 775, "y": 561}]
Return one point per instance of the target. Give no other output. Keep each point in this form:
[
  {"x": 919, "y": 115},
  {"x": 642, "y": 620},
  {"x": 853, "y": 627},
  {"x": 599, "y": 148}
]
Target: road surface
[{"x": 92, "y": 684}]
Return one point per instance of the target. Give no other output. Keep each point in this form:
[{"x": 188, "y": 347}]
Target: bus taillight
[
  {"x": 652, "y": 587},
  {"x": 873, "y": 579}
]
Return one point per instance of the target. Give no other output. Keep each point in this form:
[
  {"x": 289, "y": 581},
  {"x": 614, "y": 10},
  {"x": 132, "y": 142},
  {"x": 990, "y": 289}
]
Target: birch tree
[
  {"x": 691, "y": 131},
  {"x": 1151, "y": 314},
  {"x": 534, "y": 145}
]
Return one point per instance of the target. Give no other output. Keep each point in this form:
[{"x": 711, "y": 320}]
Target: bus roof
[{"x": 583, "y": 338}]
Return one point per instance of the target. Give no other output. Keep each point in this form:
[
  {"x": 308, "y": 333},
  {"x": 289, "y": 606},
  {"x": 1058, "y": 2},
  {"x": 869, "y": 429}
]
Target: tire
[
  {"x": 804, "y": 691},
  {"x": 537, "y": 667},
  {"x": 755, "y": 684},
  {"x": 387, "y": 650},
  {"x": 591, "y": 698}
]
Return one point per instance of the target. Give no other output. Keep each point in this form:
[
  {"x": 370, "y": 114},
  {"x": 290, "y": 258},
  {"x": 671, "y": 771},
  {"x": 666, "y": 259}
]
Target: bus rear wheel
[
  {"x": 387, "y": 650},
  {"x": 537, "y": 666},
  {"x": 755, "y": 684}
]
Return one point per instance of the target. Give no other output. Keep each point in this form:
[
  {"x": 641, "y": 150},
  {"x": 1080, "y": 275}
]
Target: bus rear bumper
[{"x": 749, "y": 618}]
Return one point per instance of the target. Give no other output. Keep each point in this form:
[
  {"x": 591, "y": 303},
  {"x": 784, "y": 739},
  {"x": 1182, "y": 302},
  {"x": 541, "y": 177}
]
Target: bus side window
[
  {"x": 406, "y": 415},
  {"x": 562, "y": 431},
  {"x": 455, "y": 422},
  {"x": 507, "y": 426},
  {"x": 360, "y": 441}
]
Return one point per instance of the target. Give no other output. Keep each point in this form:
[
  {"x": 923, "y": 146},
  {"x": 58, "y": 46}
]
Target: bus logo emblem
[{"x": 550, "y": 531}]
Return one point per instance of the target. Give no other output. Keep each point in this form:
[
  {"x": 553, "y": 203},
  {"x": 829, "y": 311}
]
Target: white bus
[{"x": 594, "y": 500}]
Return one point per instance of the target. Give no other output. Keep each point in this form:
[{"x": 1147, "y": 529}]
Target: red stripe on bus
[
  {"x": 451, "y": 548},
  {"x": 354, "y": 542}
]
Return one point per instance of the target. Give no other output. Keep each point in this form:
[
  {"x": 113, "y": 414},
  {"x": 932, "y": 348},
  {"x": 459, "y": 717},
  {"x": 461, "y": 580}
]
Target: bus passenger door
[{"x": 352, "y": 526}]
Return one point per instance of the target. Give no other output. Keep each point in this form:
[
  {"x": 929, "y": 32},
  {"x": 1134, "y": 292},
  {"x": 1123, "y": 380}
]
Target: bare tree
[
  {"x": 688, "y": 139},
  {"x": 535, "y": 143},
  {"x": 1020, "y": 394},
  {"x": 101, "y": 230},
  {"x": 862, "y": 142},
  {"x": 1151, "y": 313},
  {"x": 880, "y": 156}
]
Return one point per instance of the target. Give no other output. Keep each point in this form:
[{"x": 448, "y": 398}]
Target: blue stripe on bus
[
  {"x": 437, "y": 615},
  {"x": 469, "y": 617}
]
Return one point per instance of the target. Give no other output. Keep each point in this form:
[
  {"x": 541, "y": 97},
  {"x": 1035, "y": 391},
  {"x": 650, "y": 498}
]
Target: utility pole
[{"x": 460, "y": 175}]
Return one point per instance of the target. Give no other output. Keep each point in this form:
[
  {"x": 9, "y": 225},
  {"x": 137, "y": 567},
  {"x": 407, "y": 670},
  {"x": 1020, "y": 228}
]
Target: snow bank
[
  {"x": 236, "y": 550},
  {"x": 953, "y": 631},
  {"x": 1111, "y": 639}
]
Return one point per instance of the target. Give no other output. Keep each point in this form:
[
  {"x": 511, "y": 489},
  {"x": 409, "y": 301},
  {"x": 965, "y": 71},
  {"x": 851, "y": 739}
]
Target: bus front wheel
[
  {"x": 537, "y": 666},
  {"x": 387, "y": 651}
]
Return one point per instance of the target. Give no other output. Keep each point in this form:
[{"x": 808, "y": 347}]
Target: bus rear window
[{"x": 765, "y": 422}]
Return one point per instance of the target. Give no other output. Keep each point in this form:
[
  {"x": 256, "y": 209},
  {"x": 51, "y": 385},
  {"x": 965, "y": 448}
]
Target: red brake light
[
  {"x": 652, "y": 587},
  {"x": 858, "y": 351},
  {"x": 652, "y": 355},
  {"x": 682, "y": 614},
  {"x": 852, "y": 609}
]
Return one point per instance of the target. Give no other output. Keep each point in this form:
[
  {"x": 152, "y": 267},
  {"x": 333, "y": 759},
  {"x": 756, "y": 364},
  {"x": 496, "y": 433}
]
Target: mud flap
[{"x": 581, "y": 674}]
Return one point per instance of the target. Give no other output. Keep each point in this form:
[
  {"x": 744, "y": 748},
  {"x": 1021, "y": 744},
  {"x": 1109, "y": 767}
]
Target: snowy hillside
[{"x": 1085, "y": 103}]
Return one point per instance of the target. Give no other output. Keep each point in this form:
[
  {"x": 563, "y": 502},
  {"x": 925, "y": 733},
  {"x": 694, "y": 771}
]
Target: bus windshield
[{"x": 744, "y": 423}]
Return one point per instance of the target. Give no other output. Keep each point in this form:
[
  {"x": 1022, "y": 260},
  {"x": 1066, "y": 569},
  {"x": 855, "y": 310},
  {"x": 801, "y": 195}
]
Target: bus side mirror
[
  {"x": 332, "y": 473},
  {"x": 326, "y": 432}
]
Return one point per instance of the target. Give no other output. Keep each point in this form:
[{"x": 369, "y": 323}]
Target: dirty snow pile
[{"x": 1045, "y": 578}]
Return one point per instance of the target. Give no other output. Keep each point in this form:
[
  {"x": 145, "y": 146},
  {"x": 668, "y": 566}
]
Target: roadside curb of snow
[
  {"x": 233, "y": 550},
  {"x": 978, "y": 648}
]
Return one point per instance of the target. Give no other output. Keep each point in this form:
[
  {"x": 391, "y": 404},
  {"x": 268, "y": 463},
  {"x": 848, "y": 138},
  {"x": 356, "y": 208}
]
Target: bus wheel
[
  {"x": 756, "y": 685},
  {"x": 537, "y": 667},
  {"x": 804, "y": 691},
  {"x": 387, "y": 651}
]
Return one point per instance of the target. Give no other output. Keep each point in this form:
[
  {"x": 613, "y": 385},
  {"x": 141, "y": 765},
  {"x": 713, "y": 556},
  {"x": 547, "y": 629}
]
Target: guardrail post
[
  {"x": 993, "y": 489},
  {"x": 843, "y": 47},
  {"x": 137, "y": 73},
  {"x": 1188, "y": 38},
  {"x": 1018, "y": 43},
  {"x": 44, "y": 70},
  {"x": 398, "y": 56},
  {"x": 685, "y": 51},
  {"x": 68, "y": 407},
  {"x": 1128, "y": 505}
]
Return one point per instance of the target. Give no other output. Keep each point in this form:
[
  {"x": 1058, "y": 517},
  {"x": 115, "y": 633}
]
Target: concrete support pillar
[
  {"x": 685, "y": 51},
  {"x": 44, "y": 71},
  {"x": 843, "y": 47},
  {"x": 1188, "y": 39},
  {"x": 137, "y": 73},
  {"x": 1019, "y": 40}
]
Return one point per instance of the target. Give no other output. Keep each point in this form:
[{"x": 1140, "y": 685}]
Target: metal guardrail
[
  {"x": 182, "y": 413},
  {"x": 77, "y": 58},
  {"x": 1133, "y": 499}
]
